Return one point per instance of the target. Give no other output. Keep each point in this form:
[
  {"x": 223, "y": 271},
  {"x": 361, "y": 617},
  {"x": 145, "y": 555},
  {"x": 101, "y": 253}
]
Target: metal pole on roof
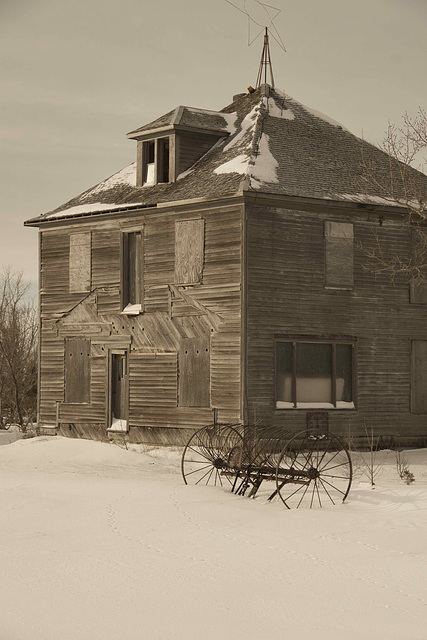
[{"x": 265, "y": 63}]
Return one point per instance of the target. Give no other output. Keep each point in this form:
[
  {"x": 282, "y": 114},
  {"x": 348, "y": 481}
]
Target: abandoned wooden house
[{"x": 218, "y": 278}]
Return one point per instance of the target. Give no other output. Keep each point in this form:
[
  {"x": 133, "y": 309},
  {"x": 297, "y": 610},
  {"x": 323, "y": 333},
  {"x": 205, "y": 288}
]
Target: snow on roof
[
  {"x": 313, "y": 112},
  {"x": 124, "y": 176},
  {"x": 278, "y": 111},
  {"x": 230, "y": 118},
  {"x": 276, "y": 145},
  {"x": 88, "y": 208}
]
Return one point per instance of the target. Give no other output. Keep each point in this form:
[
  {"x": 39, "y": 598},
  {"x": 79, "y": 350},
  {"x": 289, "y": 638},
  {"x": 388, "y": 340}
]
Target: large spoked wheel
[
  {"x": 210, "y": 456},
  {"x": 313, "y": 471}
]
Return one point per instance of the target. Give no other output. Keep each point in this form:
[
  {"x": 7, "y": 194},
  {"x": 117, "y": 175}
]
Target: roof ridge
[{"x": 256, "y": 138}]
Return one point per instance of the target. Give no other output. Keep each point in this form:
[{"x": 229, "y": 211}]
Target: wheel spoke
[
  {"x": 325, "y": 475},
  {"x": 207, "y": 473},
  {"x": 320, "y": 479},
  {"x": 342, "y": 464},
  {"x": 189, "y": 473},
  {"x": 318, "y": 494},
  {"x": 302, "y": 498},
  {"x": 312, "y": 493},
  {"x": 330, "y": 460},
  {"x": 334, "y": 487}
]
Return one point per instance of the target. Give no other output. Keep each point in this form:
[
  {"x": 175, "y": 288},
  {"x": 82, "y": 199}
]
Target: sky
[{"x": 76, "y": 76}]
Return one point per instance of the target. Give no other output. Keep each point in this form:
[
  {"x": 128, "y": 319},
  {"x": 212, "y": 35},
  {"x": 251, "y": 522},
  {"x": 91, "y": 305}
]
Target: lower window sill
[
  {"x": 315, "y": 405},
  {"x": 132, "y": 310}
]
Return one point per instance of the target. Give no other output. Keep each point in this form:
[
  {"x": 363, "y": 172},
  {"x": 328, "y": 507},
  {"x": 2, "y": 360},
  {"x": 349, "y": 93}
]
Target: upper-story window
[
  {"x": 339, "y": 246},
  {"x": 132, "y": 286},
  {"x": 80, "y": 262},
  {"x": 155, "y": 161}
]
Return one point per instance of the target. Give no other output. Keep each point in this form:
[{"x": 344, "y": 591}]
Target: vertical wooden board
[
  {"x": 418, "y": 291},
  {"x": 77, "y": 370},
  {"x": 54, "y": 262},
  {"x": 189, "y": 251},
  {"x": 419, "y": 377},
  {"x": 339, "y": 254},
  {"x": 194, "y": 373},
  {"x": 418, "y": 286},
  {"x": 80, "y": 262}
]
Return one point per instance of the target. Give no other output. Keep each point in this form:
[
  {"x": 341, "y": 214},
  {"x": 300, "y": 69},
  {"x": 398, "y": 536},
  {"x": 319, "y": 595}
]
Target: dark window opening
[
  {"x": 149, "y": 164},
  {"x": 314, "y": 374},
  {"x": 163, "y": 160},
  {"x": 155, "y": 161},
  {"x": 132, "y": 268}
]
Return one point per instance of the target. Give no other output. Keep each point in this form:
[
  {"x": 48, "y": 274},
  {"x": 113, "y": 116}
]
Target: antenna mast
[{"x": 265, "y": 64}]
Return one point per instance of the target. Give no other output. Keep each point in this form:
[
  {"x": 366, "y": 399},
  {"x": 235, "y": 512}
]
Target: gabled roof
[
  {"x": 275, "y": 145},
  {"x": 201, "y": 120}
]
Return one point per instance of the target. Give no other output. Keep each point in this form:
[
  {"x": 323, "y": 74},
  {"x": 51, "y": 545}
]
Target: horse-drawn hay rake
[{"x": 309, "y": 468}]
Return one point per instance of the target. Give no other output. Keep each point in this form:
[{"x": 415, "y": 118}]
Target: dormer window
[
  {"x": 155, "y": 161},
  {"x": 173, "y": 143},
  {"x": 149, "y": 164}
]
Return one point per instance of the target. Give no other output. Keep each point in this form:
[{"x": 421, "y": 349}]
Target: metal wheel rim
[
  {"x": 206, "y": 456},
  {"x": 326, "y": 460}
]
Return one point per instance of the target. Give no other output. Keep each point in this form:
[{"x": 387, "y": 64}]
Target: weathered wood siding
[
  {"x": 287, "y": 296},
  {"x": 207, "y": 313},
  {"x": 193, "y": 147}
]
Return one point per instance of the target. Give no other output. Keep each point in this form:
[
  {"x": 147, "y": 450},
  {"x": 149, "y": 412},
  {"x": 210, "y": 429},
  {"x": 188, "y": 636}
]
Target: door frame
[{"x": 109, "y": 394}]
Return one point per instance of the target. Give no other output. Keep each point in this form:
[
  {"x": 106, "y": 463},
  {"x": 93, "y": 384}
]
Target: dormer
[{"x": 174, "y": 142}]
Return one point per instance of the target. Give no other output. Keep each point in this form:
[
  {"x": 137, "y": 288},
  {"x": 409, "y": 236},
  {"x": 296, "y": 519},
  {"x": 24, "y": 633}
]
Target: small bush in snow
[{"x": 403, "y": 470}]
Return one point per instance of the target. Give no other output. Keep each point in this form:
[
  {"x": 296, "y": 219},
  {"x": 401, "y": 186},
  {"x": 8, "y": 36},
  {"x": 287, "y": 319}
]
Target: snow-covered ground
[{"x": 102, "y": 543}]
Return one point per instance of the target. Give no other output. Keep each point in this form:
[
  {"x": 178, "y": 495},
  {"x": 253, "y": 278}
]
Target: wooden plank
[
  {"x": 194, "y": 372},
  {"x": 77, "y": 370},
  {"x": 80, "y": 261},
  {"x": 419, "y": 376},
  {"x": 153, "y": 380},
  {"x": 189, "y": 251},
  {"x": 339, "y": 254}
]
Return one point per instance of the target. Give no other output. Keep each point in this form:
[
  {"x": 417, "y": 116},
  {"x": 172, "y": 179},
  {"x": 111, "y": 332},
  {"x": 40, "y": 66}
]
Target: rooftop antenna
[{"x": 262, "y": 15}]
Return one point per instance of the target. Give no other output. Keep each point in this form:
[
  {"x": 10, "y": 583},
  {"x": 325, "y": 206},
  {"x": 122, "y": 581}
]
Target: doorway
[{"x": 118, "y": 414}]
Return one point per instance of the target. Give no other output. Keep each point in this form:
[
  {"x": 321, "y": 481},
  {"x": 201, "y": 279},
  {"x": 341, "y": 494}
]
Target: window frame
[
  {"x": 160, "y": 144},
  {"x": 333, "y": 341},
  {"x": 125, "y": 268},
  {"x": 331, "y": 235},
  {"x": 80, "y": 254}
]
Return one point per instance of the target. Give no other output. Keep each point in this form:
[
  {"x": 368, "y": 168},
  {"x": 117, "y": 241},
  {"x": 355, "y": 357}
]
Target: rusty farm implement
[{"x": 309, "y": 468}]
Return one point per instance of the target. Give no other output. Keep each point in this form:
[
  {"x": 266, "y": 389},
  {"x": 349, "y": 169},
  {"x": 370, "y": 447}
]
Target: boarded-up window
[
  {"x": 194, "y": 376},
  {"x": 132, "y": 268},
  {"x": 339, "y": 255},
  {"x": 153, "y": 380},
  {"x": 77, "y": 370},
  {"x": 418, "y": 285},
  {"x": 80, "y": 262},
  {"x": 189, "y": 251},
  {"x": 419, "y": 376}
]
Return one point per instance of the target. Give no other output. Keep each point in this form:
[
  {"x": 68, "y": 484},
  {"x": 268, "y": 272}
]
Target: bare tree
[
  {"x": 18, "y": 346},
  {"x": 397, "y": 179}
]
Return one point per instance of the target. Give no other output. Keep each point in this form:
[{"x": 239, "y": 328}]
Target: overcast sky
[{"x": 77, "y": 75}]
